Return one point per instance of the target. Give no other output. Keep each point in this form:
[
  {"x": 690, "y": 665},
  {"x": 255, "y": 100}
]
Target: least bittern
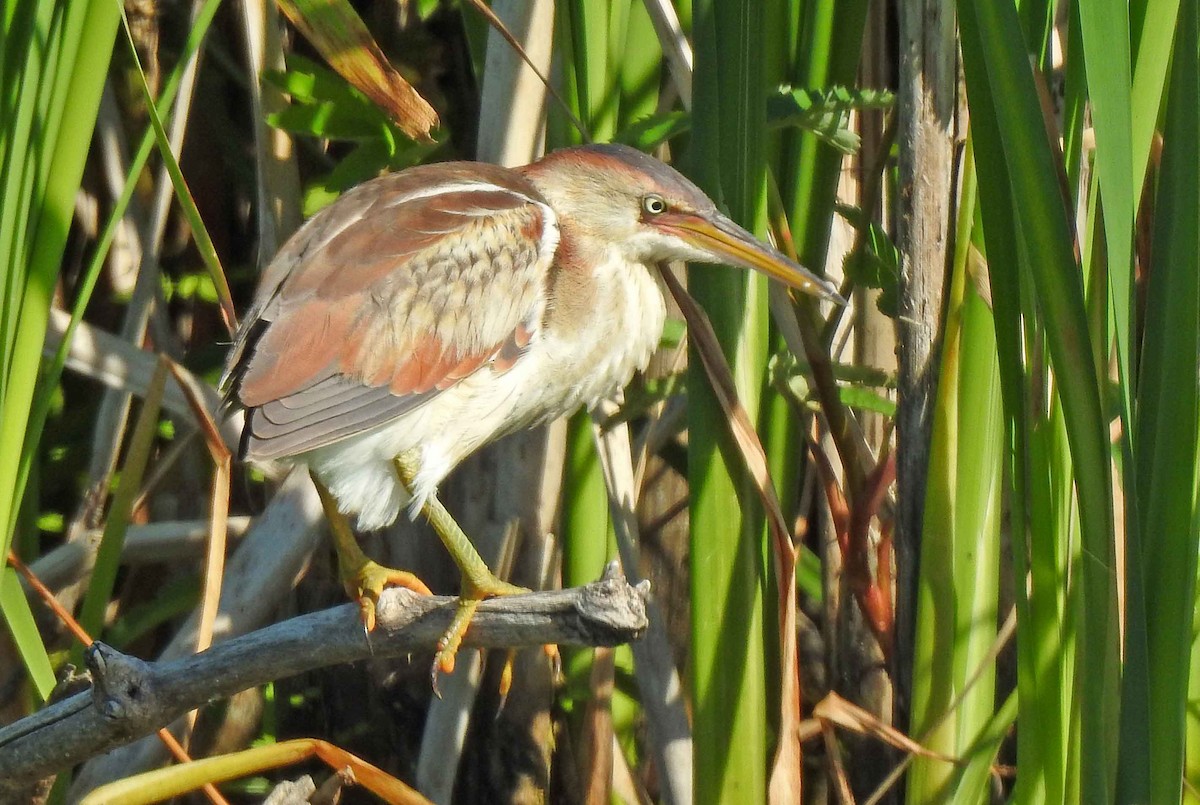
[{"x": 431, "y": 311}]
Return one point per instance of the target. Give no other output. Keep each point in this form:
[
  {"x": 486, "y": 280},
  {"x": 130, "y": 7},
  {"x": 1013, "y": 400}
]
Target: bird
[{"x": 428, "y": 312}]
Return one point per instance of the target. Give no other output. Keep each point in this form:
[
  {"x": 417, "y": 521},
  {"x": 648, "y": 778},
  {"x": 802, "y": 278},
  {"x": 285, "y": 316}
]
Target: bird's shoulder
[
  {"x": 404, "y": 238},
  {"x": 372, "y": 230}
]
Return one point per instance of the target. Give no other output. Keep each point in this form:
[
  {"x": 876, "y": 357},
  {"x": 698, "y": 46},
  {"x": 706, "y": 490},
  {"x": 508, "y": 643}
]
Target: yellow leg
[
  {"x": 478, "y": 582},
  {"x": 364, "y": 579}
]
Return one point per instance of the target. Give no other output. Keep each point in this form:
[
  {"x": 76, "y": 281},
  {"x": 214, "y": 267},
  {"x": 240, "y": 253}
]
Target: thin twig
[
  {"x": 49, "y": 600},
  {"x": 502, "y": 29},
  {"x": 677, "y": 51},
  {"x": 83, "y": 637},
  {"x": 168, "y": 541}
]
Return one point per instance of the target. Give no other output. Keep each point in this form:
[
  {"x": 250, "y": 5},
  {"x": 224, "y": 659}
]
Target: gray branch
[{"x": 130, "y": 698}]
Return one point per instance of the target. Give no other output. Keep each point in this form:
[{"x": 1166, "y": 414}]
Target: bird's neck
[{"x": 611, "y": 311}]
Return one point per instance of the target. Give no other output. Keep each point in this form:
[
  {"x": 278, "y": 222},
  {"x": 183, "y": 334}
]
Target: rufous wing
[{"x": 396, "y": 292}]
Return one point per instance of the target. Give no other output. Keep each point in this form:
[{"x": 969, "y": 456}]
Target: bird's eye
[{"x": 654, "y": 205}]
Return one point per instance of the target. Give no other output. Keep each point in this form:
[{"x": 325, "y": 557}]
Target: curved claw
[
  {"x": 451, "y": 639},
  {"x": 506, "y": 675},
  {"x": 367, "y": 582},
  {"x": 555, "y": 660},
  {"x": 475, "y": 591}
]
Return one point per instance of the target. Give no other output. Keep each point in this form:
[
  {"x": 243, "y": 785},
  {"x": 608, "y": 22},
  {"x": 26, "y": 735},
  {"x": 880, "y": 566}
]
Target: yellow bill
[{"x": 727, "y": 242}]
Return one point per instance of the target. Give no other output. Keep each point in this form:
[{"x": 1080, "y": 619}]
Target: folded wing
[{"x": 395, "y": 293}]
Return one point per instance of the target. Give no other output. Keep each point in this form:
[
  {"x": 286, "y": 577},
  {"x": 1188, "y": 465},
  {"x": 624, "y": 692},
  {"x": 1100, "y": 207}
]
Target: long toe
[
  {"x": 367, "y": 583},
  {"x": 451, "y": 639},
  {"x": 475, "y": 589}
]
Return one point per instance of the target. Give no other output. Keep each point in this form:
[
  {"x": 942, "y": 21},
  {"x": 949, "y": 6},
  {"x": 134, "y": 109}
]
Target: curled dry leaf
[
  {"x": 333, "y": 27},
  {"x": 836, "y": 711}
]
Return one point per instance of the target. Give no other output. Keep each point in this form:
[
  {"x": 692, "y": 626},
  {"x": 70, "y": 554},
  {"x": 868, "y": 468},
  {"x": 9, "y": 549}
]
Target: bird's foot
[
  {"x": 365, "y": 583},
  {"x": 475, "y": 590}
]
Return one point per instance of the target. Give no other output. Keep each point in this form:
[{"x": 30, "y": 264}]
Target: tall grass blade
[
  {"x": 55, "y": 60},
  {"x": 588, "y": 543},
  {"x": 1043, "y": 649},
  {"x": 1168, "y": 410},
  {"x": 597, "y": 81},
  {"x": 24, "y": 631},
  {"x": 108, "y": 557},
  {"x": 958, "y": 581},
  {"x": 1191, "y": 768},
  {"x": 1151, "y": 57},
  {"x": 729, "y": 665},
  {"x": 200, "y": 234},
  {"x": 1105, "y": 39},
  {"x": 1046, "y": 244},
  {"x": 91, "y": 274},
  {"x": 640, "y": 64}
]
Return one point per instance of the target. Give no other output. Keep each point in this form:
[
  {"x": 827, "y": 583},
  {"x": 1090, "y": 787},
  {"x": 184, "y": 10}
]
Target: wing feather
[
  {"x": 398, "y": 291},
  {"x": 362, "y": 409}
]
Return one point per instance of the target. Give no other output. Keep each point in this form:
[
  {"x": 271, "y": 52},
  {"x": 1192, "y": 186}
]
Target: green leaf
[
  {"x": 1027, "y": 209},
  {"x": 1167, "y": 436},
  {"x": 24, "y": 631},
  {"x": 809, "y": 574},
  {"x": 877, "y": 265},
  {"x": 650, "y": 132},
  {"x": 336, "y": 30},
  {"x": 324, "y": 105},
  {"x": 825, "y": 113},
  {"x": 364, "y": 162},
  {"x": 865, "y": 399},
  {"x": 326, "y": 120}
]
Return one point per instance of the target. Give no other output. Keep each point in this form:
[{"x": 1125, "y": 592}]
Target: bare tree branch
[{"x": 130, "y": 698}]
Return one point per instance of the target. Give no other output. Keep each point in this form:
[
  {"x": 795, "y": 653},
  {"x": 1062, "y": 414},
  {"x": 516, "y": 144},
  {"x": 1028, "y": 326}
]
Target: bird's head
[{"x": 618, "y": 195}]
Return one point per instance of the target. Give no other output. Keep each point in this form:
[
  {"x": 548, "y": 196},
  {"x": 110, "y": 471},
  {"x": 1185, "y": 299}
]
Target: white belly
[{"x": 561, "y": 370}]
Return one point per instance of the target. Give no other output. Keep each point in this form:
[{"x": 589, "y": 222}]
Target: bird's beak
[{"x": 717, "y": 235}]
